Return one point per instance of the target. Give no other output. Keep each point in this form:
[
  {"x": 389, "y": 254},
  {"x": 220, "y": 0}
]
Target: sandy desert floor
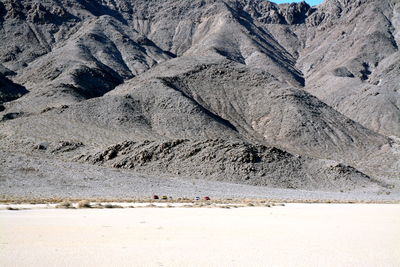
[{"x": 293, "y": 235}]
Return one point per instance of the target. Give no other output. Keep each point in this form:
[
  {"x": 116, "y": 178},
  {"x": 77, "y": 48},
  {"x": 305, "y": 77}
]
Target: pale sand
[{"x": 294, "y": 235}]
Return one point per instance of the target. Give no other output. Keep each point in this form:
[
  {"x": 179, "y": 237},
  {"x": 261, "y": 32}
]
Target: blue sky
[{"x": 310, "y": 2}]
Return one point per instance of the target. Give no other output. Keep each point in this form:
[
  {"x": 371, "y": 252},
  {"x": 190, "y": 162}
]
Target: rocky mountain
[{"x": 245, "y": 91}]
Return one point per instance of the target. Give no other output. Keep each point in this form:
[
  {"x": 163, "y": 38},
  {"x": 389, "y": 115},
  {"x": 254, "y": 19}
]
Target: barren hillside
[{"x": 242, "y": 91}]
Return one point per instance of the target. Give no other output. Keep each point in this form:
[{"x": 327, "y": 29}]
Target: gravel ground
[{"x": 23, "y": 176}]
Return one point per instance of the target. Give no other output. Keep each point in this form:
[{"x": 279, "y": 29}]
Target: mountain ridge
[{"x": 100, "y": 73}]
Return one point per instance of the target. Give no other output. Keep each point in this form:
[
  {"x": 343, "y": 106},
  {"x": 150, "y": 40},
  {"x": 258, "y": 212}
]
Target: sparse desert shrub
[
  {"x": 65, "y": 205},
  {"x": 112, "y": 206},
  {"x": 84, "y": 204}
]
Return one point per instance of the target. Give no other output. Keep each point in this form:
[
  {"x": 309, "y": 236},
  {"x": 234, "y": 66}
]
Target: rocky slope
[
  {"x": 235, "y": 162},
  {"x": 80, "y": 77}
]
